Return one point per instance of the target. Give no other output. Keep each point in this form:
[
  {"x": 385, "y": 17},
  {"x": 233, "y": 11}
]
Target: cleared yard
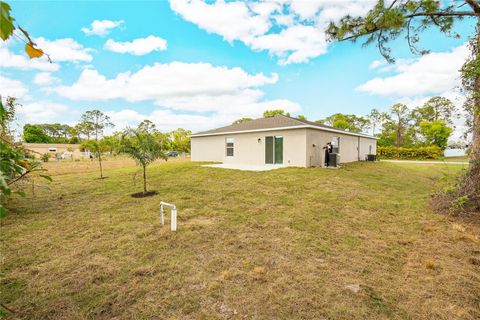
[{"x": 282, "y": 244}]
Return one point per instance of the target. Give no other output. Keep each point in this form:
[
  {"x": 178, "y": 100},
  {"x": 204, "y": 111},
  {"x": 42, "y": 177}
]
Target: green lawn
[
  {"x": 281, "y": 244},
  {"x": 456, "y": 159}
]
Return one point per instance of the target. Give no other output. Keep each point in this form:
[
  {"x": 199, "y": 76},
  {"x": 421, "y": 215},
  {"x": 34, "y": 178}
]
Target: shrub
[
  {"x": 45, "y": 157},
  {"x": 431, "y": 152}
]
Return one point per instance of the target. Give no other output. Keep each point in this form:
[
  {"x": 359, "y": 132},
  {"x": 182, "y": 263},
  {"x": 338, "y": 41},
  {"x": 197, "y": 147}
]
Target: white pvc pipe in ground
[{"x": 173, "y": 220}]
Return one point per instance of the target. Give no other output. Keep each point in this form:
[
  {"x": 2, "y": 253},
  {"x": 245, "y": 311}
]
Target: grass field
[
  {"x": 456, "y": 159},
  {"x": 282, "y": 244}
]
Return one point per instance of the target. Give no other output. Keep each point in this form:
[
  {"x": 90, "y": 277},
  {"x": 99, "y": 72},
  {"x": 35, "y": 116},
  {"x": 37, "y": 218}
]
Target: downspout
[{"x": 358, "y": 149}]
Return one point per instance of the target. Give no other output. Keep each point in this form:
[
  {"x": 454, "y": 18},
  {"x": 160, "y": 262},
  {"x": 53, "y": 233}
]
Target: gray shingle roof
[{"x": 275, "y": 122}]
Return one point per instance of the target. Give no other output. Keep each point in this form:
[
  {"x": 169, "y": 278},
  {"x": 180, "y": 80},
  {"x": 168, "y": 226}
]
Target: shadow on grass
[{"x": 144, "y": 194}]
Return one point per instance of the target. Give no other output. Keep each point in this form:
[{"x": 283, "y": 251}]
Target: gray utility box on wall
[{"x": 334, "y": 159}]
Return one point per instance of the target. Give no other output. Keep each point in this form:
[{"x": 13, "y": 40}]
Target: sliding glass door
[{"x": 274, "y": 150}]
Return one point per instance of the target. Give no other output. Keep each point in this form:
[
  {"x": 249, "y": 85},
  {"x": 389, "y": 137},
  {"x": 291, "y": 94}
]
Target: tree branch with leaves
[{"x": 7, "y": 30}]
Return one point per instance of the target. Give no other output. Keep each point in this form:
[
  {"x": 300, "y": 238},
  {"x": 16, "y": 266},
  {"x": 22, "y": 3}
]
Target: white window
[{"x": 229, "y": 144}]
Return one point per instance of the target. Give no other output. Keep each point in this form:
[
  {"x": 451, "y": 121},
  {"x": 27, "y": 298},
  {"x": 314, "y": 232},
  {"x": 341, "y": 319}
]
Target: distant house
[
  {"x": 64, "y": 149},
  {"x": 279, "y": 140}
]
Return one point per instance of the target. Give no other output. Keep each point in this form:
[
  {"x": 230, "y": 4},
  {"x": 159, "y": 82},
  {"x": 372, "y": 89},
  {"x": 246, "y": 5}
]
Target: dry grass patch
[{"x": 277, "y": 244}]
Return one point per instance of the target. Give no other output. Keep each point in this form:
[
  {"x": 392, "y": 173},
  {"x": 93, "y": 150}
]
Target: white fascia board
[{"x": 306, "y": 126}]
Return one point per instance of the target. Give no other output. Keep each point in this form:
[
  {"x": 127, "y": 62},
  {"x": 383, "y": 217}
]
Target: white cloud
[
  {"x": 232, "y": 20},
  {"x": 45, "y": 78},
  {"x": 198, "y": 87},
  {"x": 165, "y": 120},
  {"x": 101, "y": 27},
  {"x": 292, "y": 30},
  {"x": 41, "y": 111},
  {"x": 377, "y": 63},
  {"x": 137, "y": 47},
  {"x": 11, "y": 87},
  {"x": 64, "y": 50},
  {"x": 293, "y": 45},
  {"x": 417, "y": 80},
  {"x": 431, "y": 74},
  {"x": 196, "y": 96},
  {"x": 11, "y": 60}
]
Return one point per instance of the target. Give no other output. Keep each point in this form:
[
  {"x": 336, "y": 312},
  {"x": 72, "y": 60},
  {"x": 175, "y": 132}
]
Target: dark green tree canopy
[
  {"x": 349, "y": 122},
  {"x": 34, "y": 134},
  {"x": 435, "y": 133}
]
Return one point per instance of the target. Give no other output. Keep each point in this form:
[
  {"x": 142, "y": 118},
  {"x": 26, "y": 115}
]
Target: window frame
[
  {"x": 227, "y": 147},
  {"x": 336, "y": 141}
]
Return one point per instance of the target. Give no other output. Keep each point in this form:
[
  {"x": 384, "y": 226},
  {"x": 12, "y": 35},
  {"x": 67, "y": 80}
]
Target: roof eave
[{"x": 306, "y": 126}]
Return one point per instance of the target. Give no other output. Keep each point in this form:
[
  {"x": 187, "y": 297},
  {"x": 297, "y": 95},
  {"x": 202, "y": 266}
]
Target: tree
[
  {"x": 400, "y": 119},
  {"x": 272, "y": 113},
  {"x": 50, "y": 133},
  {"x": 8, "y": 115},
  {"x": 98, "y": 121},
  {"x": 144, "y": 148},
  {"x": 165, "y": 140},
  {"x": 387, "y": 137},
  {"x": 111, "y": 144},
  {"x": 436, "y": 108},
  {"x": 85, "y": 128},
  {"x": 34, "y": 134},
  {"x": 147, "y": 126},
  {"x": 14, "y": 164},
  {"x": 349, "y": 122},
  {"x": 469, "y": 117},
  {"x": 385, "y": 23},
  {"x": 181, "y": 140},
  {"x": 301, "y": 117},
  {"x": 436, "y": 133},
  {"x": 242, "y": 120},
  {"x": 376, "y": 119},
  {"x": 74, "y": 135}
]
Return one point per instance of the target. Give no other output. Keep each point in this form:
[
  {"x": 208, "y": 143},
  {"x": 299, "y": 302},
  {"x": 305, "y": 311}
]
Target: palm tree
[{"x": 143, "y": 147}]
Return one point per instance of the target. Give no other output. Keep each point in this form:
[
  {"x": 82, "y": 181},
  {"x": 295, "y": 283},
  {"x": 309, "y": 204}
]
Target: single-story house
[{"x": 279, "y": 140}]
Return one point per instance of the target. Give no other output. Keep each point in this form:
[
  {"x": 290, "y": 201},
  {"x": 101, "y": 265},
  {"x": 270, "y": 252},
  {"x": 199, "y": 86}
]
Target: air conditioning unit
[
  {"x": 371, "y": 157},
  {"x": 334, "y": 160}
]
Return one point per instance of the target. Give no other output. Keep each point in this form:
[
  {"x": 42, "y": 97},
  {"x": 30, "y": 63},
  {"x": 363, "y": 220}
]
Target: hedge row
[{"x": 432, "y": 152}]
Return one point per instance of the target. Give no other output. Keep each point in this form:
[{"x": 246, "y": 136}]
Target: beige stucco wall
[
  {"x": 348, "y": 146},
  {"x": 247, "y": 148},
  {"x": 365, "y": 143},
  {"x": 211, "y": 148}
]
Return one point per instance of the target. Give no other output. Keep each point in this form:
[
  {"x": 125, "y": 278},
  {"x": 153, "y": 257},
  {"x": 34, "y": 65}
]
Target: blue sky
[{"x": 202, "y": 65}]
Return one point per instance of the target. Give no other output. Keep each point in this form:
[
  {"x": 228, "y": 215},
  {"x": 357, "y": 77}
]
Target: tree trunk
[
  {"x": 471, "y": 183},
  {"x": 100, "y": 163},
  {"x": 144, "y": 179},
  {"x": 473, "y": 174},
  {"x": 399, "y": 137}
]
